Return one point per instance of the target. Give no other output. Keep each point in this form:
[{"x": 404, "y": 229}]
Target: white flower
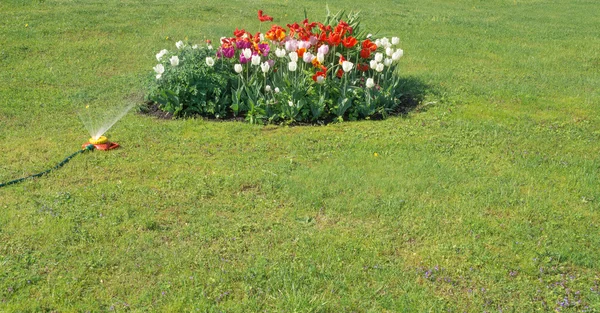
[
  {"x": 195, "y": 47},
  {"x": 209, "y": 47},
  {"x": 276, "y": 89},
  {"x": 174, "y": 60},
  {"x": 378, "y": 57},
  {"x": 307, "y": 57},
  {"x": 161, "y": 54},
  {"x": 320, "y": 79},
  {"x": 293, "y": 56},
  {"x": 320, "y": 57},
  {"x": 389, "y": 51},
  {"x": 159, "y": 69},
  {"x": 210, "y": 61},
  {"x": 385, "y": 41},
  {"x": 267, "y": 88},
  {"x": 290, "y": 103},
  {"x": 378, "y": 42},
  {"x": 247, "y": 53},
  {"x": 262, "y": 37},
  {"x": 179, "y": 44},
  {"x": 158, "y": 76},
  {"x": 280, "y": 53},
  {"x": 265, "y": 67},
  {"x": 398, "y": 54},
  {"x": 370, "y": 83},
  {"x": 387, "y": 62},
  {"x": 292, "y": 66},
  {"x": 347, "y": 66},
  {"x": 255, "y": 60},
  {"x": 304, "y": 44},
  {"x": 373, "y": 64},
  {"x": 324, "y": 49},
  {"x": 291, "y": 45},
  {"x": 379, "y": 67},
  {"x": 238, "y": 68},
  {"x": 395, "y": 40},
  {"x": 369, "y": 35}
]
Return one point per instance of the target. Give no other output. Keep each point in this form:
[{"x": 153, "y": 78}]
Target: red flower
[
  {"x": 335, "y": 39},
  {"x": 365, "y": 53},
  {"x": 321, "y": 73},
  {"x": 349, "y": 42},
  {"x": 363, "y": 67},
  {"x": 368, "y": 44},
  {"x": 301, "y": 52},
  {"x": 263, "y": 18},
  {"x": 239, "y": 32},
  {"x": 340, "y": 73},
  {"x": 342, "y": 59},
  {"x": 276, "y": 33}
]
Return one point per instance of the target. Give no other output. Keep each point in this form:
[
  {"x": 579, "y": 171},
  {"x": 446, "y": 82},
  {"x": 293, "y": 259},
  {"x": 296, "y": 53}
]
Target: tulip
[
  {"x": 276, "y": 89},
  {"x": 395, "y": 40},
  {"x": 320, "y": 57},
  {"x": 267, "y": 88},
  {"x": 255, "y": 60},
  {"x": 179, "y": 44},
  {"x": 280, "y": 53},
  {"x": 158, "y": 76},
  {"x": 247, "y": 53},
  {"x": 161, "y": 54},
  {"x": 387, "y": 62},
  {"x": 304, "y": 44},
  {"x": 238, "y": 68},
  {"x": 378, "y": 57},
  {"x": 195, "y": 47},
  {"x": 398, "y": 54},
  {"x": 370, "y": 83},
  {"x": 379, "y": 67},
  {"x": 210, "y": 61},
  {"x": 159, "y": 69},
  {"x": 389, "y": 51},
  {"x": 324, "y": 49},
  {"x": 307, "y": 57},
  {"x": 292, "y": 66},
  {"x": 373, "y": 64},
  {"x": 347, "y": 66},
  {"x": 291, "y": 45},
  {"x": 174, "y": 60},
  {"x": 265, "y": 67},
  {"x": 293, "y": 56}
]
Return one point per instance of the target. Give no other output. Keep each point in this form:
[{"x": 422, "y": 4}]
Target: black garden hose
[{"x": 89, "y": 147}]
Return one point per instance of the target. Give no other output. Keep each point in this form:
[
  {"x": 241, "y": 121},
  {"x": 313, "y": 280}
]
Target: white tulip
[
  {"x": 373, "y": 64},
  {"x": 379, "y": 67},
  {"x": 255, "y": 60},
  {"x": 276, "y": 89},
  {"x": 378, "y": 57},
  {"x": 158, "y": 76},
  {"x": 307, "y": 57},
  {"x": 161, "y": 54},
  {"x": 210, "y": 61},
  {"x": 293, "y": 56},
  {"x": 159, "y": 69},
  {"x": 387, "y": 62},
  {"x": 280, "y": 53},
  {"x": 347, "y": 66},
  {"x": 247, "y": 53},
  {"x": 320, "y": 57},
  {"x": 370, "y": 83},
  {"x": 179, "y": 44},
  {"x": 378, "y": 42},
  {"x": 320, "y": 79},
  {"x": 238, "y": 68},
  {"x": 395, "y": 40},
  {"x": 265, "y": 67},
  {"x": 385, "y": 41},
  {"x": 292, "y": 66},
  {"x": 291, "y": 45},
  {"x": 398, "y": 54},
  {"x": 195, "y": 47},
  {"x": 209, "y": 47},
  {"x": 174, "y": 60},
  {"x": 389, "y": 51},
  {"x": 267, "y": 88}
]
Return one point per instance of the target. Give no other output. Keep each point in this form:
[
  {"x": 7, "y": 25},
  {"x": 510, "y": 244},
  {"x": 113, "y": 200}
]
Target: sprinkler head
[{"x": 101, "y": 143}]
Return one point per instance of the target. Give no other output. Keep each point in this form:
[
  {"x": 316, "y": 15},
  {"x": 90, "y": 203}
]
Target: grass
[{"x": 483, "y": 198}]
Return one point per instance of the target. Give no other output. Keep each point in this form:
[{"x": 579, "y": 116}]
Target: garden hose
[{"x": 89, "y": 147}]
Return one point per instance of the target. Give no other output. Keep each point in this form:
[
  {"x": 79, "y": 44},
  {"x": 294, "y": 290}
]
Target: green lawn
[{"x": 484, "y": 197}]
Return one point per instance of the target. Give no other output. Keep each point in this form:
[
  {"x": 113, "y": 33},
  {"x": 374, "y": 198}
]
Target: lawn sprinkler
[{"x": 101, "y": 143}]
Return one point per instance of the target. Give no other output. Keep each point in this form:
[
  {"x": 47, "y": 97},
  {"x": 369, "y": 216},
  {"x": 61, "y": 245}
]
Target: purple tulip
[{"x": 264, "y": 49}]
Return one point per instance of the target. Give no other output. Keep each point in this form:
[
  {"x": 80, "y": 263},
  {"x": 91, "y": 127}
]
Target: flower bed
[{"x": 304, "y": 72}]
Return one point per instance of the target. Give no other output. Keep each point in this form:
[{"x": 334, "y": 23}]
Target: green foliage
[{"x": 192, "y": 87}]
